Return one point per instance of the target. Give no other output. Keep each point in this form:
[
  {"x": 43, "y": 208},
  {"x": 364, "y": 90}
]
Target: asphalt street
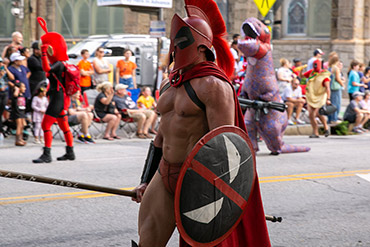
[{"x": 323, "y": 195}]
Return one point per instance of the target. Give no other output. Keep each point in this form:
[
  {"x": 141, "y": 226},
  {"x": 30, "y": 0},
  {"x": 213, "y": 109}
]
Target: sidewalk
[{"x": 306, "y": 129}]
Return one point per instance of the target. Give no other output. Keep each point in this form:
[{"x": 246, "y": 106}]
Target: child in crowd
[
  {"x": 39, "y": 105},
  {"x": 18, "y": 113},
  {"x": 146, "y": 101}
]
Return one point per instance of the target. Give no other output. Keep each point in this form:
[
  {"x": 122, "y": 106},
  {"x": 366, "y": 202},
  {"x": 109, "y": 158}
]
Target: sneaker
[
  {"x": 290, "y": 122},
  {"x": 36, "y": 141},
  {"x": 81, "y": 139},
  {"x": 300, "y": 121},
  {"x": 363, "y": 129},
  {"x": 357, "y": 130},
  {"x": 89, "y": 140}
]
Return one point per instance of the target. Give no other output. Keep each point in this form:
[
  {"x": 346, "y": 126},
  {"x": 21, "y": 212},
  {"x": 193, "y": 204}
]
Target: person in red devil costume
[
  {"x": 186, "y": 116},
  {"x": 54, "y": 50}
]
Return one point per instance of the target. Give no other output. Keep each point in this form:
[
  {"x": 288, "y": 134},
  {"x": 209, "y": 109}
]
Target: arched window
[
  {"x": 66, "y": 29},
  {"x": 83, "y": 19},
  {"x": 320, "y": 20},
  {"x": 7, "y": 20},
  {"x": 102, "y": 20},
  {"x": 117, "y": 20},
  {"x": 297, "y": 17}
]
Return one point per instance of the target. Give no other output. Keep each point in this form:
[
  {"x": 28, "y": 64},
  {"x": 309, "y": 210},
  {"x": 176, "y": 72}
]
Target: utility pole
[{"x": 27, "y": 29}]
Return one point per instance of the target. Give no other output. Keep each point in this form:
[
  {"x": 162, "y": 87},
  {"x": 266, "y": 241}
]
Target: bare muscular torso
[{"x": 183, "y": 123}]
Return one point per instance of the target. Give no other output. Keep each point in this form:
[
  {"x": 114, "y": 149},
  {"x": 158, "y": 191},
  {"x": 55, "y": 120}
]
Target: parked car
[{"x": 144, "y": 47}]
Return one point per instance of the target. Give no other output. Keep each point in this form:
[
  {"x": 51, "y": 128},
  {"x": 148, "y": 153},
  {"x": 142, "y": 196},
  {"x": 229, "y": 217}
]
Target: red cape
[{"x": 252, "y": 229}]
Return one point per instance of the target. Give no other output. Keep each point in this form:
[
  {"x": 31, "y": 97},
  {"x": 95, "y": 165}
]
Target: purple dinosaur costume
[{"x": 261, "y": 84}]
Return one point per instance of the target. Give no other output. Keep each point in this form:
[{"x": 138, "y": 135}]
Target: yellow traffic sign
[{"x": 264, "y": 6}]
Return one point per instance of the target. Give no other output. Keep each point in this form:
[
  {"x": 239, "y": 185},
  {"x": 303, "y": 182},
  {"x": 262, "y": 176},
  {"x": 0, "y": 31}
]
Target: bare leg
[
  {"x": 116, "y": 124},
  {"x": 312, "y": 114},
  {"x": 111, "y": 120},
  {"x": 148, "y": 123},
  {"x": 359, "y": 117},
  {"x": 298, "y": 111},
  {"x": 156, "y": 215},
  {"x": 290, "y": 109}
]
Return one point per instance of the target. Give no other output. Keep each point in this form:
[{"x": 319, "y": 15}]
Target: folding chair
[
  {"x": 97, "y": 124},
  {"x": 126, "y": 125}
]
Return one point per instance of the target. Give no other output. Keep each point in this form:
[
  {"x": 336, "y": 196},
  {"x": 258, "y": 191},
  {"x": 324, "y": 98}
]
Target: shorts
[
  {"x": 127, "y": 81},
  {"x": 350, "y": 118},
  {"x": 169, "y": 173},
  {"x": 73, "y": 120}
]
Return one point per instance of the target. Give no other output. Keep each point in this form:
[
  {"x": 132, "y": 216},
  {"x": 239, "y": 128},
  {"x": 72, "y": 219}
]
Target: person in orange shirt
[
  {"x": 125, "y": 70},
  {"x": 86, "y": 71}
]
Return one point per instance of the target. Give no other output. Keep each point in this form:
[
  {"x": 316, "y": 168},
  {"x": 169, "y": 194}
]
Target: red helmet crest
[
  {"x": 204, "y": 26},
  {"x": 55, "y": 41}
]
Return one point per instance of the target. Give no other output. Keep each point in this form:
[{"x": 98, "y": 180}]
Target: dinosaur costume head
[{"x": 258, "y": 36}]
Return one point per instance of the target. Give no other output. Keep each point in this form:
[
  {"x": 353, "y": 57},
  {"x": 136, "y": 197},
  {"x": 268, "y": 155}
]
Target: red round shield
[{"x": 214, "y": 186}]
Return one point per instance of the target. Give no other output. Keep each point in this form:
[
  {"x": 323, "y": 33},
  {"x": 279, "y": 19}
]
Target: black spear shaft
[
  {"x": 65, "y": 183},
  {"x": 84, "y": 186}
]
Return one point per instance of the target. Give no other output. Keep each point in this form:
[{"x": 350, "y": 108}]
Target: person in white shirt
[
  {"x": 284, "y": 75},
  {"x": 292, "y": 97},
  {"x": 317, "y": 54}
]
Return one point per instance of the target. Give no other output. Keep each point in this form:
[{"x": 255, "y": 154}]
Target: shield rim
[{"x": 187, "y": 163}]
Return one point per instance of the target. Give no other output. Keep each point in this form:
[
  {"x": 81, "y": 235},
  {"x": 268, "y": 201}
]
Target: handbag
[
  {"x": 327, "y": 109},
  {"x": 334, "y": 85}
]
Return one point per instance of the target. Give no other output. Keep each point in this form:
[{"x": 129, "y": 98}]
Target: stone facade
[{"x": 349, "y": 36}]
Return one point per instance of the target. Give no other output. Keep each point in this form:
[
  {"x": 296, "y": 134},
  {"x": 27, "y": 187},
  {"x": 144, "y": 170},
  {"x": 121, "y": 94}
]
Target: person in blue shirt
[
  {"x": 20, "y": 72},
  {"x": 354, "y": 82}
]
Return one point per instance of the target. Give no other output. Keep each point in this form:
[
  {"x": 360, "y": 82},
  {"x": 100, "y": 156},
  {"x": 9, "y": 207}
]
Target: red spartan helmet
[
  {"x": 57, "y": 50},
  {"x": 317, "y": 65},
  {"x": 187, "y": 35}
]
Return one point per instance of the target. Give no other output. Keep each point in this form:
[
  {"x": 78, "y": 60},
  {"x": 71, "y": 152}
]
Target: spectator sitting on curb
[
  {"x": 354, "y": 113},
  {"x": 79, "y": 115},
  {"x": 292, "y": 96},
  {"x": 143, "y": 117}
]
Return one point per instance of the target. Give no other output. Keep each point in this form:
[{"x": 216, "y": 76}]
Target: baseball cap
[
  {"x": 318, "y": 51},
  {"x": 35, "y": 45},
  {"x": 121, "y": 86},
  {"x": 355, "y": 94},
  {"x": 16, "y": 56},
  {"x": 1, "y": 60}
]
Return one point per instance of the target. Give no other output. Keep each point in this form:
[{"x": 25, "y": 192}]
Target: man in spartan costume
[
  {"x": 54, "y": 53},
  {"x": 197, "y": 98}
]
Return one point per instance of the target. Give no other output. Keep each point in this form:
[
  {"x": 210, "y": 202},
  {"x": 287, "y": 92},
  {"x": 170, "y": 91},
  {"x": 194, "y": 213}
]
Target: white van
[{"x": 144, "y": 47}]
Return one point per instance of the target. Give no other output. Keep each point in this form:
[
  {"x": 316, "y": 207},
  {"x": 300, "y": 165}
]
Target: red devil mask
[
  {"x": 57, "y": 50},
  {"x": 187, "y": 35},
  {"x": 317, "y": 65}
]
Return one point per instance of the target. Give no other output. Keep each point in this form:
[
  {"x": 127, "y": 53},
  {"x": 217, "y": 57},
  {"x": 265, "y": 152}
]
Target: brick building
[{"x": 304, "y": 25}]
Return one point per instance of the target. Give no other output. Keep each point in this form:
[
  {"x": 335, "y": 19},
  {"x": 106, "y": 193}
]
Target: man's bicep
[{"x": 220, "y": 107}]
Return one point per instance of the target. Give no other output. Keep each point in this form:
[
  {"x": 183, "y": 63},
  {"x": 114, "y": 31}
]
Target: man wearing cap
[
  {"x": 317, "y": 54},
  {"x": 354, "y": 113},
  {"x": 35, "y": 66},
  {"x": 143, "y": 117},
  {"x": 20, "y": 72}
]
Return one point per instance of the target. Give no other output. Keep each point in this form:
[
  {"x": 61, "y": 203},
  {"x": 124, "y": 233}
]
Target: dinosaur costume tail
[{"x": 287, "y": 148}]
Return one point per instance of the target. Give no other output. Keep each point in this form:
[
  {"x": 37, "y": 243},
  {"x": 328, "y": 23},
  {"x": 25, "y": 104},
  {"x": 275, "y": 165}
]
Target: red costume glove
[{"x": 44, "y": 58}]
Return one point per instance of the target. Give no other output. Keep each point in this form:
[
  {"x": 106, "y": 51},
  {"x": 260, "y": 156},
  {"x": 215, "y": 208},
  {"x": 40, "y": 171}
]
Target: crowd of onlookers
[
  {"x": 292, "y": 78},
  {"x": 23, "y": 95},
  {"x": 23, "y": 92}
]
